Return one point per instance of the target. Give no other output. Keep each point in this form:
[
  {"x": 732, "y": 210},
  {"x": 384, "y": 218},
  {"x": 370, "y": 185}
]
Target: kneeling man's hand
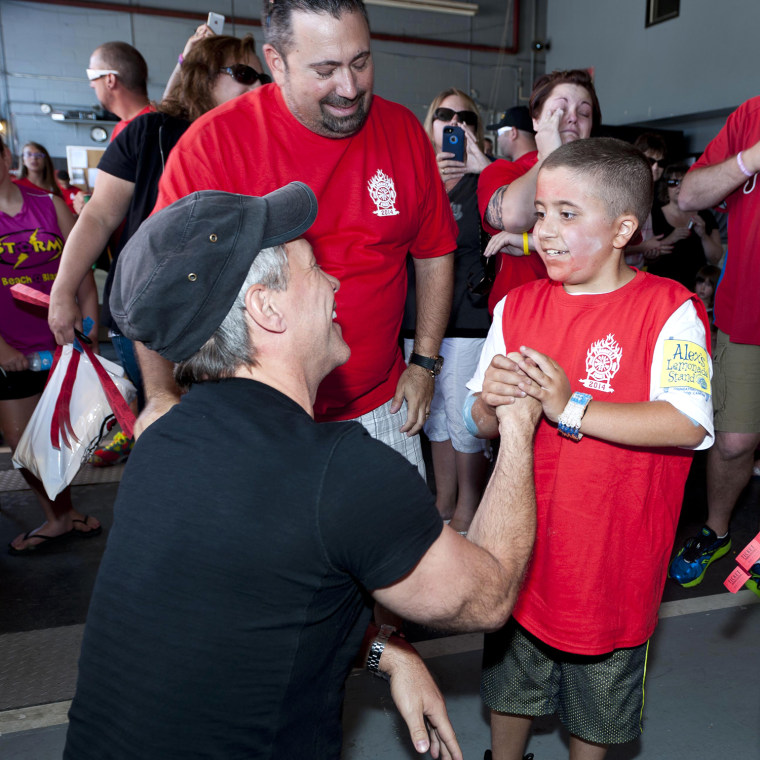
[{"x": 419, "y": 701}]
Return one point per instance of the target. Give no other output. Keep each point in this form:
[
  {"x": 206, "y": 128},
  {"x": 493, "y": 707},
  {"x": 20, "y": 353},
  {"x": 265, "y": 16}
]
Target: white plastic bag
[{"x": 89, "y": 412}]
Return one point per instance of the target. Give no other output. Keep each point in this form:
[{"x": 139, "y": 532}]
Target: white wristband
[
  {"x": 745, "y": 171},
  {"x": 569, "y": 422}
]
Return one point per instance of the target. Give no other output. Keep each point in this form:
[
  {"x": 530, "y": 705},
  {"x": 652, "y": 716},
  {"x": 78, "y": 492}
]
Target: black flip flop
[
  {"x": 91, "y": 533},
  {"x": 48, "y": 541}
]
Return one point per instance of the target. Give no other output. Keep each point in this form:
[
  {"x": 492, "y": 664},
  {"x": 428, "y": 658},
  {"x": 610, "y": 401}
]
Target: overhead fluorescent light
[{"x": 435, "y": 6}]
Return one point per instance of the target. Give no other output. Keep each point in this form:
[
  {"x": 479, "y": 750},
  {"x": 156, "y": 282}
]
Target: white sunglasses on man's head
[{"x": 93, "y": 74}]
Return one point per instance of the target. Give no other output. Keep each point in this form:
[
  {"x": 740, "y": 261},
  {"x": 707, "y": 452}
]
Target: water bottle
[{"x": 40, "y": 360}]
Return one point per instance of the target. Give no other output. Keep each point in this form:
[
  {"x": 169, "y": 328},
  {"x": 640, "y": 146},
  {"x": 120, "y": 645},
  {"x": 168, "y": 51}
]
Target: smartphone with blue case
[{"x": 453, "y": 142}]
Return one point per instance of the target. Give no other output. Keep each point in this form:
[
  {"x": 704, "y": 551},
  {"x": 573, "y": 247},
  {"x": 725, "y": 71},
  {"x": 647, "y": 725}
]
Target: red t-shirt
[
  {"x": 737, "y": 307},
  {"x": 379, "y": 199},
  {"x": 511, "y": 270},
  {"x": 123, "y": 123},
  {"x": 606, "y": 514},
  {"x": 26, "y": 182}
]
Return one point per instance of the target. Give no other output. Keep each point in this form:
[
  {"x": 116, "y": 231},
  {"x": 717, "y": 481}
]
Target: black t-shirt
[
  {"x": 469, "y": 309},
  {"x": 688, "y": 255},
  {"x": 229, "y": 604},
  {"x": 139, "y": 154}
]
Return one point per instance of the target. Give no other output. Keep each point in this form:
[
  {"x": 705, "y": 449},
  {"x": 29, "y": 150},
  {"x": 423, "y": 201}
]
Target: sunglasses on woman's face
[
  {"x": 246, "y": 75},
  {"x": 674, "y": 183},
  {"x": 447, "y": 114},
  {"x": 654, "y": 161}
]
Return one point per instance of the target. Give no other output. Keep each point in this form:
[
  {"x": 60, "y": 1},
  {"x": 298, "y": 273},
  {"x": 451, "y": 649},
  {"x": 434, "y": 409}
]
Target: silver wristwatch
[{"x": 376, "y": 650}]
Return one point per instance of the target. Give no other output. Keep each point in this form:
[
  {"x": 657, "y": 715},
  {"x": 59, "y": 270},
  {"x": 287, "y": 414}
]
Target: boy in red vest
[{"x": 619, "y": 360}]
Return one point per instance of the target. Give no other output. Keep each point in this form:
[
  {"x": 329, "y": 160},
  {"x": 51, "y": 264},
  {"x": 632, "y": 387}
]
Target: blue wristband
[{"x": 469, "y": 423}]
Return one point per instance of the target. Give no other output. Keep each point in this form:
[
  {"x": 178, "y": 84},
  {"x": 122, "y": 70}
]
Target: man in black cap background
[
  {"x": 515, "y": 133},
  {"x": 234, "y": 592}
]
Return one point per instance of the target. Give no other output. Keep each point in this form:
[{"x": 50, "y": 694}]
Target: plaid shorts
[
  {"x": 598, "y": 698},
  {"x": 385, "y": 427}
]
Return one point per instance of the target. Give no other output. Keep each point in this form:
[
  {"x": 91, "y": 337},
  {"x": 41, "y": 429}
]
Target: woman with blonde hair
[{"x": 460, "y": 461}]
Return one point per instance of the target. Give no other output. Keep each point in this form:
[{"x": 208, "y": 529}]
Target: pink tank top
[{"x": 31, "y": 244}]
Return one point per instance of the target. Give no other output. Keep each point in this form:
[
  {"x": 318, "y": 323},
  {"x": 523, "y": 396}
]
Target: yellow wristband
[{"x": 526, "y": 250}]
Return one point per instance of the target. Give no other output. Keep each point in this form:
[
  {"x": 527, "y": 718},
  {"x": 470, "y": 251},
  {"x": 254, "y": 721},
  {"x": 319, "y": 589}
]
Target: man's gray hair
[{"x": 230, "y": 347}]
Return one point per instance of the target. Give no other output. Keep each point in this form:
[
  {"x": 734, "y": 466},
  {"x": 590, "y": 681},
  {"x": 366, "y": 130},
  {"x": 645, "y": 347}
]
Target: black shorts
[
  {"x": 22, "y": 384},
  {"x": 599, "y": 698}
]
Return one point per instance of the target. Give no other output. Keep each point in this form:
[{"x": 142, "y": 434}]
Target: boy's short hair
[{"x": 620, "y": 172}]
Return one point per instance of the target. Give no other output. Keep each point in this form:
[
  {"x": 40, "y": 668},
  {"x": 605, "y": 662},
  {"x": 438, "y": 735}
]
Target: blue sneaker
[
  {"x": 690, "y": 564},
  {"x": 753, "y": 582}
]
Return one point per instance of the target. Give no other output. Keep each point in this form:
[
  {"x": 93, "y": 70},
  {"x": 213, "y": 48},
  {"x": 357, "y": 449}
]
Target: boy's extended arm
[{"x": 645, "y": 423}]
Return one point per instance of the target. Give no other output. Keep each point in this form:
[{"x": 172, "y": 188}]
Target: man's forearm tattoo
[{"x": 493, "y": 211}]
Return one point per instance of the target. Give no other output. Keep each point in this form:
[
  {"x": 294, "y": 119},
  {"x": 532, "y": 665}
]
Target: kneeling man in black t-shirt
[{"x": 249, "y": 541}]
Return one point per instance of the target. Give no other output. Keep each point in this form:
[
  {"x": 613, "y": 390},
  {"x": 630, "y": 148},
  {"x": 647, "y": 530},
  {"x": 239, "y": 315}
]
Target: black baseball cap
[
  {"x": 180, "y": 273},
  {"x": 517, "y": 116}
]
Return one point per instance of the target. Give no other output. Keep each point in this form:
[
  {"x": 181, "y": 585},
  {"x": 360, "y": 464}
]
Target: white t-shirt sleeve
[
  {"x": 682, "y": 369},
  {"x": 494, "y": 345}
]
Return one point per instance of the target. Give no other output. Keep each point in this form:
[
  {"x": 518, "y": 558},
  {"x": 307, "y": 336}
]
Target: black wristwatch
[{"x": 432, "y": 364}]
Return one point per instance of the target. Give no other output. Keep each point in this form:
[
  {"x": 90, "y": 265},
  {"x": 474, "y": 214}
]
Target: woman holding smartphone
[{"x": 460, "y": 461}]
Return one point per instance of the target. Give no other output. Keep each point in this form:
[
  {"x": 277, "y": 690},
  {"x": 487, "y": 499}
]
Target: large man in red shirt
[
  {"x": 728, "y": 169},
  {"x": 373, "y": 170}
]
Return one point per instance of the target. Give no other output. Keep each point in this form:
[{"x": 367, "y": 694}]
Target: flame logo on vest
[
  {"x": 383, "y": 194},
  {"x": 602, "y": 364}
]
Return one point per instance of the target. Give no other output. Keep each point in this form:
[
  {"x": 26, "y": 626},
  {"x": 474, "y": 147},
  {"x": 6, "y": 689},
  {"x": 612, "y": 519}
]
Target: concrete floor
[{"x": 701, "y": 695}]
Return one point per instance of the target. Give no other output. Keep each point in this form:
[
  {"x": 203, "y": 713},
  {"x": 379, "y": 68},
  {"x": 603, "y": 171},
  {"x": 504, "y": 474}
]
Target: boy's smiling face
[{"x": 579, "y": 242}]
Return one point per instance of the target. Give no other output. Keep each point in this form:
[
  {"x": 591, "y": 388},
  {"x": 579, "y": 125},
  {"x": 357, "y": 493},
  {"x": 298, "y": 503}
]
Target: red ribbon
[
  {"x": 61, "y": 420},
  {"x": 30, "y": 295}
]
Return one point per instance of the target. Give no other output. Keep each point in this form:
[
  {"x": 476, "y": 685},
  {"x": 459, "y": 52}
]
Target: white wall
[
  {"x": 705, "y": 60},
  {"x": 51, "y": 68}
]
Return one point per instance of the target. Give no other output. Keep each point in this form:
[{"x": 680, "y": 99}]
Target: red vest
[{"x": 607, "y": 514}]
